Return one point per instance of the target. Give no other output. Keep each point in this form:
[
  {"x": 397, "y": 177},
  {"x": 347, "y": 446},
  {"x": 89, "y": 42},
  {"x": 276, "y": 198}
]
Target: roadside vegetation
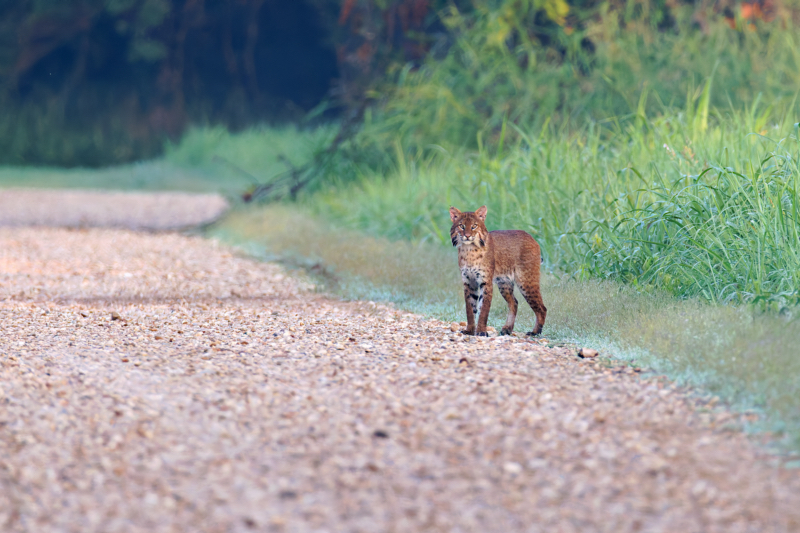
[{"x": 205, "y": 160}]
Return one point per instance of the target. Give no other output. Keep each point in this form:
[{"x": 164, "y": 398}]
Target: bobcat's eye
[
  {"x": 461, "y": 226},
  {"x": 474, "y": 226}
]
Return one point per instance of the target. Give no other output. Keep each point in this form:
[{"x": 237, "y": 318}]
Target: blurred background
[{"x": 102, "y": 82}]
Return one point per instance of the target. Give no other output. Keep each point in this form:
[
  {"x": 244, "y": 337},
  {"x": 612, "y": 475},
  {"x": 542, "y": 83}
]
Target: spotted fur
[{"x": 503, "y": 257}]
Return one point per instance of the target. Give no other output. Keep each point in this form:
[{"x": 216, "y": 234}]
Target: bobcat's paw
[
  {"x": 506, "y": 331},
  {"x": 534, "y": 333},
  {"x": 467, "y": 332},
  {"x": 483, "y": 334}
]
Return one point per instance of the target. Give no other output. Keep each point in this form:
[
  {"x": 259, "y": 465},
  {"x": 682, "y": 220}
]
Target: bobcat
[{"x": 501, "y": 257}]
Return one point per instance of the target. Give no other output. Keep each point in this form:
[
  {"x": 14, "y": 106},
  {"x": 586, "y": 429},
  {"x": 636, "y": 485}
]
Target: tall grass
[
  {"x": 692, "y": 205},
  {"x": 728, "y": 233},
  {"x": 699, "y": 202},
  {"x": 254, "y": 154},
  {"x": 498, "y": 78}
]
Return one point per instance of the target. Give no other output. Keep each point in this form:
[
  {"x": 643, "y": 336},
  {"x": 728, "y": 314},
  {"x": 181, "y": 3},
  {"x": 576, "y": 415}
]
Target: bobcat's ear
[
  {"x": 454, "y": 213},
  {"x": 481, "y": 213}
]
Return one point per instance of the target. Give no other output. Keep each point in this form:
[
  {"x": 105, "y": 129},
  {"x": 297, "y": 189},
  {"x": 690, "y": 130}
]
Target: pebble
[{"x": 587, "y": 353}]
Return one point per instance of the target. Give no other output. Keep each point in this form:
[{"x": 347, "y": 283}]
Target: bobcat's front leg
[
  {"x": 484, "y": 305},
  {"x": 471, "y": 300}
]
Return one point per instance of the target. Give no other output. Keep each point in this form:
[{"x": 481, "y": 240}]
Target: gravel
[
  {"x": 157, "y": 382},
  {"x": 109, "y": 209}
]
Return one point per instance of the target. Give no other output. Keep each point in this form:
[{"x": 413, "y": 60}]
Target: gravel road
[
  {"x": 108, "y": 209},
  {"x": 161, "y": 383}
]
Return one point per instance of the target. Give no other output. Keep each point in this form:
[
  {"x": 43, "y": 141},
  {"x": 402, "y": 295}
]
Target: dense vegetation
[
  {"x": 97, "y": 82},
  {"x": 664, "y": 159}
]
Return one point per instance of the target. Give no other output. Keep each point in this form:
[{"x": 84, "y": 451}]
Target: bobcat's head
[{"x": 468, "y": 228}]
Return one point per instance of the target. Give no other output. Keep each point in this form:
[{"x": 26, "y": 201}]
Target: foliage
[
  {"x": 694, "y": 206},
  {"x": 107, "y": 81},
  {"x": 500, "y": 76},
  {"x": 698, "y": 202},
  {"x": 727, "y": 234},
  {"x": 257, "y": 152},
  {"x": 104, "y": 81}
]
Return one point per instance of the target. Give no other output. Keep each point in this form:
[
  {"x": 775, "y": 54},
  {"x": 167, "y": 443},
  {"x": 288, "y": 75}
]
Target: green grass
[
  {"x": 148, "y": 176},
  {"x": 498, "y": 76},
  {"x": 697, "y": 210},
  {"x": 205, "y": 160},
  {"x": 256, "y": 154}
]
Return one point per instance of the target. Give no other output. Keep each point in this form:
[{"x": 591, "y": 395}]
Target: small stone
[
  {"x": 512, "y": 468},
  {"x": 116, "y": 316},
  {"x": 380, "y": 434},
  {"x": 462, "y": 324},
  {"x": 454, "y": 327},
  {"x": 277, "y": 521},
  {"x": 587, "y": 353}
]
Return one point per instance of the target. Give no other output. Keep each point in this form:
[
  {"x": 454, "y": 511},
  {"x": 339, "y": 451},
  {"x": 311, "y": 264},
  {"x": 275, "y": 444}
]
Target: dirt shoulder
[{"x": 229, "y": 396}]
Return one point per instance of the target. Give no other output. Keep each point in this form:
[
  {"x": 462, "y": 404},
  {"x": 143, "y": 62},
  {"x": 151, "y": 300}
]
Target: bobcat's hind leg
[
  {"x": 506, "y": 287},
  {"x": 533, "y": 296}
]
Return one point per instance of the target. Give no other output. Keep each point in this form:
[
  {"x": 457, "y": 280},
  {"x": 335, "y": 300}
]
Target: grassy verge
[
  {"x": 709, "y": 212},
  {"x": 745, "y": 358},
  {"x": 205, "y": 160},
  {"x": 148, "y": 176}
]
